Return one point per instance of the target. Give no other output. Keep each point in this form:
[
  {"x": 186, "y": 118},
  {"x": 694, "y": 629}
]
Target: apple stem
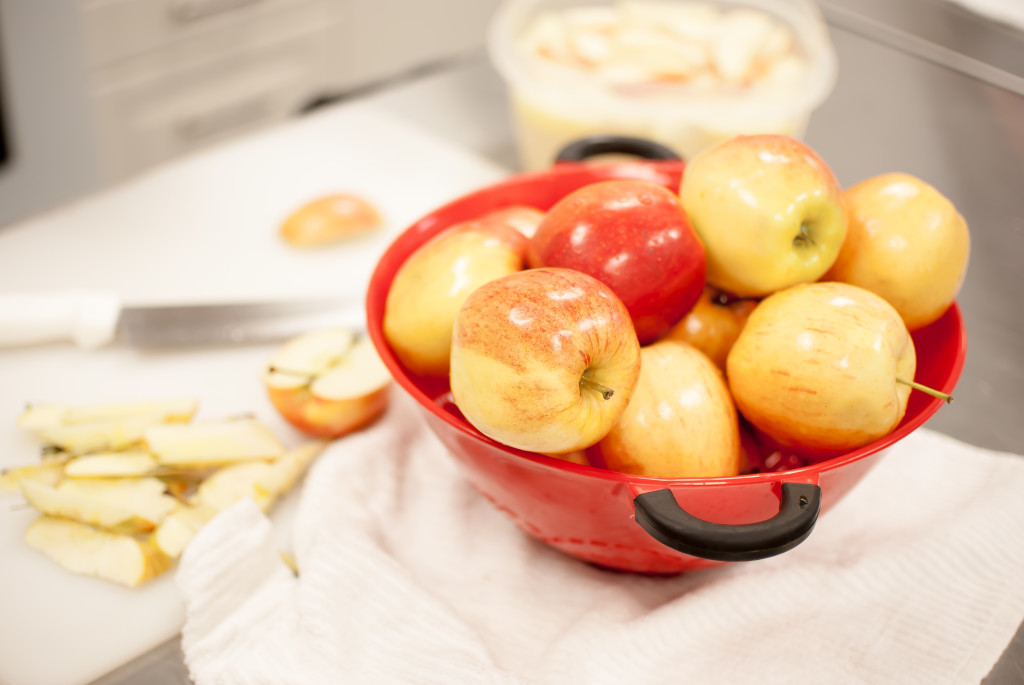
[
  {"x": 945, "y": 397},
  {"x": 804, "y": 237},
  {"x": 591, "y": 384}
]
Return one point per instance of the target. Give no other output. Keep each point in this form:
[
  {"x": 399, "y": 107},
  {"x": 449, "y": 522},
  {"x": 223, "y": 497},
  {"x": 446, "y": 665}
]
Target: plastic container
[
  {"x": 622, "y": 521},
  {"x": 552, "y": 105}
]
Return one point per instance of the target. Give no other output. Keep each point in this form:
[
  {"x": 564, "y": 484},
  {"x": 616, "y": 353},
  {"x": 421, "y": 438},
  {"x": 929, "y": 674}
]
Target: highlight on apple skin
[{"x": 544, "y": 360}]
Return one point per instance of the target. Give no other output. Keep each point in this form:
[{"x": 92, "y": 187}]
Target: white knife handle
[{"x": 89, "y": 319}]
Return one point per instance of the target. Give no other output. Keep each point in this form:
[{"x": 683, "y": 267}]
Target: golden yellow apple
[
  {"x": 681, "y": 421},
  {"x": 905, "y": 242},
  {"x": 769, "y": 212},
  {"x": 820, "y": 367},
  {"x": 713, "y": 324},
  {"x": 433, "y": 283}
]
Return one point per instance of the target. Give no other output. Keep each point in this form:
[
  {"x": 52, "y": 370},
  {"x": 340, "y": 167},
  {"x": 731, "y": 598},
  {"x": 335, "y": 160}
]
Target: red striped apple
[
  {"x": 544, "y": 360},
  {"x": 769, "y": 212},
  {"x": 634, "y": 237},
  {"x": 823, "y": 367}
]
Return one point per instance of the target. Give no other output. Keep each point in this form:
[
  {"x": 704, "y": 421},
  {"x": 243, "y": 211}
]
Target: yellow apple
[
  {"x": 769, "y": 212},
  {"x": 433, "y": 283},
  {"x": 328, "y": 383},
  {"x": 713, "y": 324},
  {"x": 821, "y": 367},
  {"x": 544, "y": 360},
  {"x": 905, "y": 242},
  {"x": 681, "y": 421}
]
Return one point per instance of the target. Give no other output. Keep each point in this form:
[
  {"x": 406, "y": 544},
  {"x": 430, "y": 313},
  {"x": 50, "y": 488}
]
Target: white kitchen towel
[{"x": 409, "y": 576}]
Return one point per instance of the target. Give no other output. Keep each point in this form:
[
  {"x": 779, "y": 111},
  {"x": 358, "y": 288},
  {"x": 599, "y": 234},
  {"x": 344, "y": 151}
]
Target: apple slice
[
  {"x": 123, "y": 505},
  {"x": 126, "y": 464},
  {"x": 89, "y": 551},
  {"x": 328, "y": 383},
  {"x": 47, "y": 474},
  {"x": 262, "y": 481},
  {"x": 284, "y": 473},
  {"x": 234, "y": 483},
  {"x": 211, "y": 442},
  {"x": 94, "y": 436},
  {"x": 177, "y": 530},
  {"x": 38, "y": 417}
]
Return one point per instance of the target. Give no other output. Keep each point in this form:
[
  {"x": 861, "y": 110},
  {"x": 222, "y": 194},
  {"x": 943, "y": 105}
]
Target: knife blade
[{"x": 94, "y": 319}]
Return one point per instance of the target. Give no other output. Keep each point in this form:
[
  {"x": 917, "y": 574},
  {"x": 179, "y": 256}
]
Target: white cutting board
[{"x": 202, "y": 229}]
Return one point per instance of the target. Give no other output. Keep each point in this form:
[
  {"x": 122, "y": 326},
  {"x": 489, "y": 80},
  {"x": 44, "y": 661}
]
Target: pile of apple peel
[
  {"x": 122, "y": 488},
  {"x": 758, "y": 317}
]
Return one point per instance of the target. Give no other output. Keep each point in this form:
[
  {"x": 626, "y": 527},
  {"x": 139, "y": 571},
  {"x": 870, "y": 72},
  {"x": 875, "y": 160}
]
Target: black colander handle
[
  {"x": 660, "y": 515},
  {"x": 591, "y": 146}
]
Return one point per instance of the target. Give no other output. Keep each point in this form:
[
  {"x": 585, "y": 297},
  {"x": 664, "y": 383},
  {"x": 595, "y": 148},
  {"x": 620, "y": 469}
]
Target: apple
[
  {"x": 713, "y": 324},
  {"x": 905, "y": 242},
  {"x": 634, "y": 237},
  {"x": 769, "y": 212},
  {"x": 523, "y": 218},
  {"x": 327, "y": 382},
  {"x": 329, "y": 219},
  {"x": 822, "y": 367},
  {"x": 432, "y": 284},
  {"x": 680, "y": 422},
  {"x": 544, "y": 360}
]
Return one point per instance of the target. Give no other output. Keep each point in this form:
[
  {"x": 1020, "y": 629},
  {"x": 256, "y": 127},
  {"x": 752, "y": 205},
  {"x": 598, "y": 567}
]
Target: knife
[{"x": 94, "y": 319}]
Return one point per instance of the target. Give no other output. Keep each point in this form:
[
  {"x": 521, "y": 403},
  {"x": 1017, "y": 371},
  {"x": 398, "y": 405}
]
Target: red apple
[{"x": 635, "y": 238}]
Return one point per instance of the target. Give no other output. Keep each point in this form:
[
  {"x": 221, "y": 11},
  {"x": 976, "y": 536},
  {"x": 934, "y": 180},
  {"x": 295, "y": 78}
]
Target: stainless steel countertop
[{"x": 924, "y": 87}]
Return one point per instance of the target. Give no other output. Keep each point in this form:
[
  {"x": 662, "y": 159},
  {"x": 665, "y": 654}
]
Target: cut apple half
[
  {"x": 328, "y": 382},
  {"x": 89, "y": 551}
]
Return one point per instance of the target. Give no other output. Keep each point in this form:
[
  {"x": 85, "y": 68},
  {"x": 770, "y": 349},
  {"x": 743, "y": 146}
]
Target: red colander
[{"x": 622, "y": 521}]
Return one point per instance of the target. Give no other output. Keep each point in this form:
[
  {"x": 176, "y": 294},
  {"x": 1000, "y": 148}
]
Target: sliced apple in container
[
  {"x": 126, "y": 464},
  {"x": 212, "y": 442},
  {"x": 90, "y": 551},
  {"x": 123, "y": 505},
  {"x": 328, "y": 382}
]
